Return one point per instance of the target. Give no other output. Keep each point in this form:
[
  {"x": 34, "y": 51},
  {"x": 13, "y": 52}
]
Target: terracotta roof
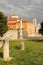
[
  {"x": 13, "y": 19},
  {"x": 12, "y": 22},
  {"x": 26, "y": 21}
]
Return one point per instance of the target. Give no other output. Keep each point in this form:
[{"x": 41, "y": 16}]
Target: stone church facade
[{"x": 28, "y": 28}]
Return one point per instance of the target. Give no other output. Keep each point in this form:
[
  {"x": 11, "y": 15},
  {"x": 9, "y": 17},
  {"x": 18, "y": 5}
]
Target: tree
[
  {"x": 3, "y": 23},
  {"x": 41, "y": 29}
]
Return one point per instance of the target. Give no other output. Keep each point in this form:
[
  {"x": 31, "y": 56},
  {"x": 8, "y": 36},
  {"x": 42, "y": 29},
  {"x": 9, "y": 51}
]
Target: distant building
[{"x": 28, "y": 27}]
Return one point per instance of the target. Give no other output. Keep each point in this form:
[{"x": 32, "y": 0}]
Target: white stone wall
[{"x": 11, "y": 34}]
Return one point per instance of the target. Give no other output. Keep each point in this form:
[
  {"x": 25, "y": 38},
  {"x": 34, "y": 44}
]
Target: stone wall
[
  {"x": 11, "y": 34},
  {"x": 36, "y": 38}
]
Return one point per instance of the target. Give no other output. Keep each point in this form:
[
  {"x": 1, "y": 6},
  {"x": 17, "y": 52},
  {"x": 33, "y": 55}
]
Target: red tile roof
[{"x": 13, "y": 20}]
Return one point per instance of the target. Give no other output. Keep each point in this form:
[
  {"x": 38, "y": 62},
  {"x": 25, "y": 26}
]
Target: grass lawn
[{"x": 32, "y": 55}]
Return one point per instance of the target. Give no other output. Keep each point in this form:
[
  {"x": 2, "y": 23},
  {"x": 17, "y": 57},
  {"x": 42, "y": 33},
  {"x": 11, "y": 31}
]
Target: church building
[{"x": 16, "y": 23}]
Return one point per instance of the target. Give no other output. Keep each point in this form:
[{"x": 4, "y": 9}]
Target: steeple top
[{"x": 35, "y": 21}]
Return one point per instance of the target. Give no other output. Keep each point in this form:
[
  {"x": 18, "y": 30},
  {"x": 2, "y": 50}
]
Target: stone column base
[
  {"x": 21, "y": 37},
  {"x": 22, "y": 46},
  {"x": 7, "y": 59}
]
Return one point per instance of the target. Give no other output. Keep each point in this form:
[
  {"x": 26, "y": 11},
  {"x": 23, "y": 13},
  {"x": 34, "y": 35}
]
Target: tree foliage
[
  {"x": 3, "y": 23},
  {"x": 41, "y": 29}
]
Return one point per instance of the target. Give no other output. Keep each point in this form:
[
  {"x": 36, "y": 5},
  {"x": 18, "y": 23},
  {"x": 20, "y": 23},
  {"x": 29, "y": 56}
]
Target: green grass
[{"x": 32, "y": 55}]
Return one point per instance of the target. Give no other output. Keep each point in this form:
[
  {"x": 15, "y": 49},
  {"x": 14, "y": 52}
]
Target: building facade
[{"x": 28, "y": 28}]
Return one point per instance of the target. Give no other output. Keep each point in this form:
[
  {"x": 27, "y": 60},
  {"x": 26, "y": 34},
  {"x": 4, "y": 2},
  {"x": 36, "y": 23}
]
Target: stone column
[
  {"x": 6, "y": 50},
  {"x": 22, "y": 47},
  {"x": 17, "y": 30},
  {"x": 1, "y": 43},
  {"x": 21, "y": 36}
]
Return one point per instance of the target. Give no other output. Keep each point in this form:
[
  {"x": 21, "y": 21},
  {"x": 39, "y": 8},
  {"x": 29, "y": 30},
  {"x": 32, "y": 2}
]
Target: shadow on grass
[
  {"x": 17, "y": 47},
  {"x": 36, "y": 40},
  {"x": 1, "y": 55}
]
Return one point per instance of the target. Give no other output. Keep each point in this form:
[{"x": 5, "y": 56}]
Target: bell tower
[
  {"x": 35, "y": 24},
  {"x": 35, "y": 21}
]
